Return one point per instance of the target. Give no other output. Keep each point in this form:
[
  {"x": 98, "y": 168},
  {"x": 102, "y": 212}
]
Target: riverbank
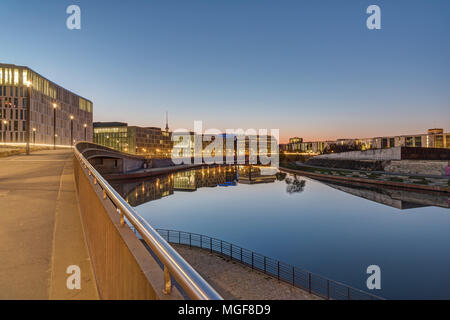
[
  {"x": 431, "y": 183},
  {"x": 235, "y": 281}
]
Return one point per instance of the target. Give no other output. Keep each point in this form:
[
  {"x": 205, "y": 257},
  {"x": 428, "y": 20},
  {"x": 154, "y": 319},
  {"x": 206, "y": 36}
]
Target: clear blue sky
[{"x": 310, "y": 68}]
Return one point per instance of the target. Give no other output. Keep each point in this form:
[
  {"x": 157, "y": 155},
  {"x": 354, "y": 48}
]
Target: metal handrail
[
  {"x": 174, "y": 265},
  {"x": 313, "y": 283}
]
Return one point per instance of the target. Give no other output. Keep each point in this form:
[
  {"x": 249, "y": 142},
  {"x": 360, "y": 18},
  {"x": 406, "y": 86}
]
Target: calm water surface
[{"x": 331, "y": 230}]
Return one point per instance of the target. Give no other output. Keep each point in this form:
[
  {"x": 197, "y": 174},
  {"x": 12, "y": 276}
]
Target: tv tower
[{"x": 167, "y": 121}]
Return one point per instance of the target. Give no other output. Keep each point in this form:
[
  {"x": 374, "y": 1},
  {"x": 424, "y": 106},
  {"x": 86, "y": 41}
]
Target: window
[
  {"x": 409, "y": 141},
  {"x": 418, "y": 141},
  {"x": 16, "y": 77},
  {"x": 391, "y": 142}
]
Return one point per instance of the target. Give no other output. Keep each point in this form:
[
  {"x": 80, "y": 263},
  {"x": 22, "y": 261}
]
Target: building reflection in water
[
  {"x": 142, "y": 191},
  {"x": 397, "y": 198}
]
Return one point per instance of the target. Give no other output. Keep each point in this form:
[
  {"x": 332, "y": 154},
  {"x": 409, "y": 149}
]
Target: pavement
[{"x": 41, "y": 233}]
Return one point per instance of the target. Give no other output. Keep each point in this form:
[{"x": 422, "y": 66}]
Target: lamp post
[
  {"x": 5, "y": 126},
  {"x": 28, "y": 113},
  {"x": 71, "y": 129},
  {"x": 34, "y": 136},
  {"x": 54, "y": 125},
  {"x": 85, "y": 129}
]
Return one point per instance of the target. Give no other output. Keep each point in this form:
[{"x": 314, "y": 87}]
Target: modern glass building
[
  {"x": 22, "y": 88},
  {"x": 147, "y": 141}
]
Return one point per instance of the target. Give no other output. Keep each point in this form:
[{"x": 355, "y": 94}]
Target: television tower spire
[{"x": 167, "y": 121}]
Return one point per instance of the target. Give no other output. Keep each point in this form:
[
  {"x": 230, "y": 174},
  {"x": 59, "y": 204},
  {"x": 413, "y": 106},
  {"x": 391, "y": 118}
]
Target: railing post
[
  {"x": 348, "y": 293},
  {"x": 231, "y": 251},
  {"x": 309, "y": 282},
  {"x": 241, "y": 256},
  {"x": 167, "y": 281},
  {"x": 293, "y": 276},
  {"x": 264, "y": 264},
  {"x": 179, "y": 237},
  {"x": 252, "y": 261},
  {"x": 210, "y": 245},
  {"x": 190, "y": 240},
  {"x": 278, "y": 272},
  {"x": 328, "y": 289},
  {"x": 221, "y": 251},
  {"x": 201, "y": 241}
]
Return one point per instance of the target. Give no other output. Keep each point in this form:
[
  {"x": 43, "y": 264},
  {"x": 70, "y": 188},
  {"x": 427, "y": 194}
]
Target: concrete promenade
[{"x": 40, "y": 228}]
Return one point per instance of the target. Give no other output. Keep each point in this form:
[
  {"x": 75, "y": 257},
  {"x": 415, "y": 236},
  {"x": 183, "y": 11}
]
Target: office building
[
  {"x": 147, "y": 141},
  {"x": 434, "y": 138},
  {"x": 22, "y": 88}
]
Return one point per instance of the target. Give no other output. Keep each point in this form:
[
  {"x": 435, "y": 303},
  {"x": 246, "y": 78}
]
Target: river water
[{"x": 336, "y": 231}]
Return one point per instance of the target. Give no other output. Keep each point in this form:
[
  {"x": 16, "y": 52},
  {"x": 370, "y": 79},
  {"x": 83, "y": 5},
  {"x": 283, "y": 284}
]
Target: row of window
[
  {"x": 13, "y": 125},
  {"x": 12, "y": 136},
  {"x": 14, "y": 114},
  {"x": 14, "y": 103},
  {"x": 13, "y": 91}
]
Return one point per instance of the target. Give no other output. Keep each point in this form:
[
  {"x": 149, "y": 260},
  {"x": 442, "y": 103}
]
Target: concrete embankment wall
[
  {"x": 397, "y": 153},
  {"x": 437, "y": 168},
  {"x": 377, "y": 154},
  {"x": 123, "y": 267}
]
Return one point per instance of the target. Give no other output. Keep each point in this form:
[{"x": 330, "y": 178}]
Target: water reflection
[
  {"x": 397, "y": 198},
  {"x": 142, "y": 191},
  {"x": 295, "y": 185}
]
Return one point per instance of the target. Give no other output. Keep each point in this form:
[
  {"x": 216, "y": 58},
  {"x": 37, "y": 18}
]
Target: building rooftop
[{"x": 109, "y": 124}]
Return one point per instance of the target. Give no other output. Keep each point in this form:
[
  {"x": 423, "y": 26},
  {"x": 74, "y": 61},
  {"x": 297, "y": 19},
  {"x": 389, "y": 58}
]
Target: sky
[{"x": 310, "y": 68}]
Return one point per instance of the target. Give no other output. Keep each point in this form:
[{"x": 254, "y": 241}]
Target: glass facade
[
  {"x": 23, "y": 91},
  {"x": 151, "y": 142}
]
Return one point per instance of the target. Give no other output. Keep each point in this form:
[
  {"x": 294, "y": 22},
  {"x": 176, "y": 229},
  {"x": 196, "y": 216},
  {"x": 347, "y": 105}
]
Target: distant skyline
[{"x": 309, "y": 68}]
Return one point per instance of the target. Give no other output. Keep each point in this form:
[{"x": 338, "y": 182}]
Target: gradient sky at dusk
[{"x": 310, "y": 68}]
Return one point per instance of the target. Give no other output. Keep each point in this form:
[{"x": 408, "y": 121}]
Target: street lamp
[
  {"x": 28, "y": 113},
  {"x": 54, "y": 125},
  {"x": 5, "y": 124},
  {"x": 34, "y": 136},
  {"x": 85, "y": 129},
  {"x": 71, "y": 129}
]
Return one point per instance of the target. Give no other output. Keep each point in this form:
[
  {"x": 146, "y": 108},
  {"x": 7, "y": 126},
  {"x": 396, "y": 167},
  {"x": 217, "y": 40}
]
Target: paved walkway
[
  {"x": 234, "y": 281},
  {"x": 40, "y": 228}
]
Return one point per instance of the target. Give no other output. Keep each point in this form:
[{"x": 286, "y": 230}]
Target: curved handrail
[{"x": 191, "y": 282}]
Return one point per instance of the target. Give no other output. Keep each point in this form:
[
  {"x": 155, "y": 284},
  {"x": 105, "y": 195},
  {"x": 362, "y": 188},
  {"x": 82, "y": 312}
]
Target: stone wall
[
  {"x": 369, "y": 165},
  {"x": 437, "y": 168},
  {"x": 397, "y": 153},
  {"x": 376, "y": 154}
]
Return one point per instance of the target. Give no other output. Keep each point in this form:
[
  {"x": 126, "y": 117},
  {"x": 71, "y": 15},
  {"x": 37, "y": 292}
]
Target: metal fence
[{"x": 314, "y": 284}]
